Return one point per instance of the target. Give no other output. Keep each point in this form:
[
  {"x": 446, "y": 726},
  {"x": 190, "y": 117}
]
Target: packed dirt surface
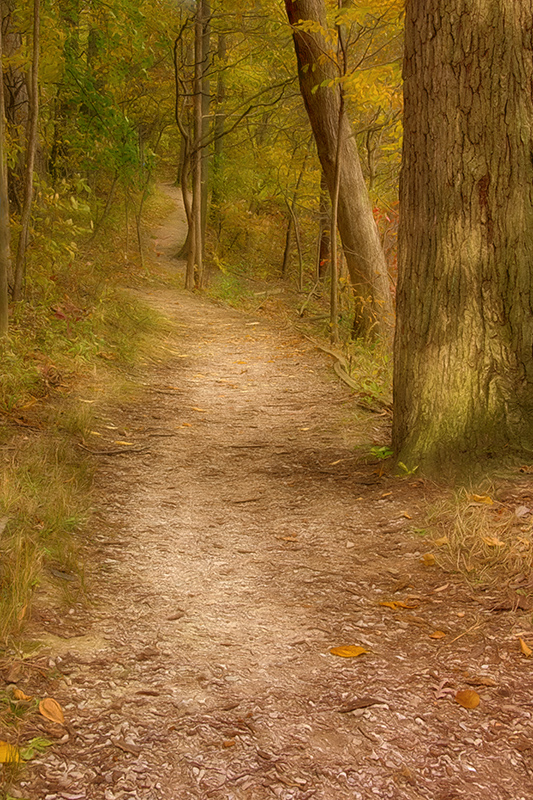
[{"x": 239, "y": 539}]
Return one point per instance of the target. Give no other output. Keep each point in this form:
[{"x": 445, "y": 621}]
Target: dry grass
[{"x": 488, "y": 540}]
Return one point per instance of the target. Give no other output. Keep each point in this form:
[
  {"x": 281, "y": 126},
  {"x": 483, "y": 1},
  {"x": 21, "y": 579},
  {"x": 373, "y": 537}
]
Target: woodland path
[{"x": 241, "y": 542}]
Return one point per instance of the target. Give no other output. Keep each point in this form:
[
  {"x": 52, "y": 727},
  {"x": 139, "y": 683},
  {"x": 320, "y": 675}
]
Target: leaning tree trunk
[
  {"x": 463, "y": 384},
  {"x": 359, "y": 234}
]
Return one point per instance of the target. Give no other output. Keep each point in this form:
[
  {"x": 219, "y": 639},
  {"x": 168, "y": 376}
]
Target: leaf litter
[{"x": 209, "y": 674}]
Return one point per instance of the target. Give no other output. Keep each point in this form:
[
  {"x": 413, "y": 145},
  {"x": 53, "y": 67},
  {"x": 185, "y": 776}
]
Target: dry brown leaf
[
  {"x": 467, "y": 698},
  {"x": 128, "y": 444},
  {"x": 392, "y": 604},
  {"x": 18, "y": 694},
  {"x": 51, "y": 709},
  {"x": 481, "y": 680},
  {"x": 228, "y": 743},
  {"x": 13, "y": 673},
  {"x": 526, "y": 650},
  {"x": 437, "y": 635},
  {"x": 428, "y": 559},
  {"x": 493, "y": 541},
  {"x": 347, "y": 651},
  {"x": 482, "y": 498},
  {"x": 442, "y": 540},
  {"x": 9, "y": 754}
]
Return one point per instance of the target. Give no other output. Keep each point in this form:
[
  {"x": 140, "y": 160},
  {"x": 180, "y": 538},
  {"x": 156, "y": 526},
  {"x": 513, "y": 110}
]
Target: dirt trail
[{"x": 232, "y": 553}]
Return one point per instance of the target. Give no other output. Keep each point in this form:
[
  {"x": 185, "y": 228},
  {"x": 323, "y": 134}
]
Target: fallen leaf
[
  {"x": 228, "y": 743},
  {"x": 441, "y": 541},
  {"x": 13, "y": 673},
  {"x": 51, "y": 709},
  {"x": 18, "y": 694},
  {"x": 526, "y": 650},
  {"x": 406, "y": 515},
  {"x": 467, "y": 698},
  {"x": 522, "y": 511},
  {"x": 9, "y": 754},
  {"x": 361, "y": 702},
  {"x": 127, "y": 747},
  {"x": 129, "y": 444},
  {"x": 437, "y": 635},
  {"x": 481, "y": 680},
  {"x": 482, "y": 498},
  {"x": 493, "y": 541},
  {"x": 386, "y": 494},
  {"x": 428, "y": 559},
  {"x": 202, "y": 410},
  {"x": 347, "y": 651}
]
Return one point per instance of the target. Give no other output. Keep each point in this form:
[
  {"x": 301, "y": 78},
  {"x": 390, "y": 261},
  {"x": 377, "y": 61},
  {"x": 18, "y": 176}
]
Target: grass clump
[{"x": 487, "y": 540}]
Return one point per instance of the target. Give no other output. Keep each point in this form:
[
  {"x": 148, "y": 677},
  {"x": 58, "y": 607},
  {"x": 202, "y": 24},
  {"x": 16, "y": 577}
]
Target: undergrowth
[{"x": 72, "y": 343}]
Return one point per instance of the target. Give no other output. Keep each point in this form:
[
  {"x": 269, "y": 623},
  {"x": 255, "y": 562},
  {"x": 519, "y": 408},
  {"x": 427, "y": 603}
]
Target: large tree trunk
[
  {"x": 463, "y": 384},
  {"x": 360, "y": 238}
]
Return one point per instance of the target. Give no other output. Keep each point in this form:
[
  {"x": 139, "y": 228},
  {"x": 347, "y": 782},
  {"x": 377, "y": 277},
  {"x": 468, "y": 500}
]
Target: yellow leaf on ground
[
  {"x": 526, "y": 650},
  {"x": 51, "y": 709},
  {"x": 437, "y": 635},
  {"x": 482, "y": 498},
  {"x": 18, "y": 694},
  {"x": 129, "y": 444},
  {"x": 406, "y": 515},
  {"x": 9, "y": 754},
  {"x": 493, "y": 541},
  {"x": 468, "y": 698},
  {"x": 442, "y": 540},
  {"x": 428, "y": 559},
  {"x": 348, "y": 651}
]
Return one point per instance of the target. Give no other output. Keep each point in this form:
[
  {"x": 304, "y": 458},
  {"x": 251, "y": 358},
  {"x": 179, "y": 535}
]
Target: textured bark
[
  {"x": 31, "y": 149},
  {"x": 5, "y": 247},
  {"x": 357, "y": 228},
  {"x": 464, "y": 341}
]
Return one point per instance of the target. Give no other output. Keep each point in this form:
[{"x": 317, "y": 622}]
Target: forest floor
[{"x": 237, "y": 541}]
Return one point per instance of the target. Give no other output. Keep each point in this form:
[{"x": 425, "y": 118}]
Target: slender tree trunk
[
  {"x": 31, "y": 147},
  {"x": 287, "y": 248},
  {"x": 324, "y": 226},
  {"x": 360, "y": 238},
  {"x": 206, "y": 102},
  {"x": 196, "y": 217},
  {"x": 220, "y": 120},
  {"x": 334, "y": 287},
  {"x": 5, "y": 231},
  {"x": 463, "y": 382},
  {"x": 298, "y": 240}
]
